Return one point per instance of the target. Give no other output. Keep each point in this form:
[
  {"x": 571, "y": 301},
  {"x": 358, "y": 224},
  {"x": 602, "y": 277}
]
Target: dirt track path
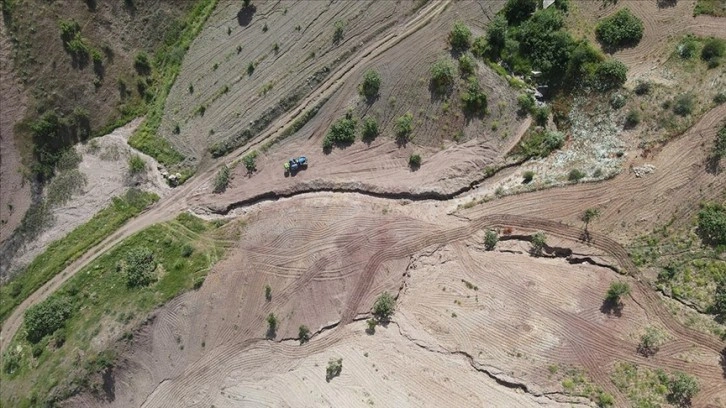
[{"x": 175, "y": 203}]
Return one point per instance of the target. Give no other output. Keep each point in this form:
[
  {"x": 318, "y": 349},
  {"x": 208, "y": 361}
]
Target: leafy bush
[
  {"x": 272, "y": 323},
  {"x": 460, "y": 37},
  {"x": 527, "y": 176},
  {"x": 719, "y": 300},
  {"x": 719, "y": 98},
  {"x": 683, "y": 104},
  {"x": 540, "y": 143},
  {"x": 335, "y": 367},
  {"x": 474, "y": 99},
  {"x": 576, "y": 175},
  {"x": 610, "y": 74},
  {"x": 682, "y": 388},
  {"x": 479, "y": 47},
  {"x": 496, "y": 35},
  {"x": 221, "y": 181},
  {"x": 651, "y": 341},
  {"x": 250, "y": 68},
  {"x": 303, "y": 334},
  {"x": 618, "y": 100},
  {"x": 370, "y": 128},
  {"x": 539, "y": 241},
  {"x": 268, "y": 293},
  {"x": 719, "y": 147},
  {"x": 139, "y": 266},
  {"x": 712, "y": 51},
  {"x": 620, "y": 29},
  {"x": 341, "y": 133},
  {"x": 541, "y": 115},
  {"x": 517, "y": 11},
  {"x": 467, "y": 65},
  {"x": 526, "y": 103},
  {"x": 187, "y": 251},
  {"x": 46, "y": 317},
  {"x": 250, "y": 162},
  {"x": 136, "y": 164},
  {"x": 404, "y": 126},
  {"x": 712, "y": 223},
  {"x": 11, "y": 361},
  {"x": 69, "y": 29},
  {"x": 617, "y": 290},
  {"x": 643, "y": 88},
  {"x": 372, "y": 323},
  {"x": 142, "y": 64},
  {"x": 442, "y": 75},
  {"x": 686, "y": 49},
  {"x": 371, "y": 84},
  {"x": 632, "y": 119},
  {"x": 338, "y": 33},
  {"x": 414, "y": 161},
  {"x": 490, "y": 240},
  {"x": 384, "y": 307}
]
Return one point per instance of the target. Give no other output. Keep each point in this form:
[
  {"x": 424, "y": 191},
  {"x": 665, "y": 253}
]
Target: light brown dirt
[{"x": 14, "y": 188}]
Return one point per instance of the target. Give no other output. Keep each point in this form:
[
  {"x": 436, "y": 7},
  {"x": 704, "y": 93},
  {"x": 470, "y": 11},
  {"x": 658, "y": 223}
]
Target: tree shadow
[
  {"x": 723, "y": 361},
  {"x": 646, "y": 351},
  {"x": 244, "y": 16},
  {"x": 611, "y": 308},
  {"x": 438, "y": 92},
  {"x": 271, "y": 333},
  {"x": 666, "y": 3},
  {"x": 713, "y": 165}
]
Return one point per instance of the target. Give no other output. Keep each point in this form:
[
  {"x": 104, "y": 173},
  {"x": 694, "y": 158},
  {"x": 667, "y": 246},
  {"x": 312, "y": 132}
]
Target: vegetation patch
[
  {"x": 371, "y": 84},
  {"x": 221, "y": 180},
  {"x": 619, "y": 30},
  {"x": 66, "y": 250},
  {"x": 539, "y": 143},
  {"x": 341, "y": 133},
  {"x": 70, "y": 325},
  {"x": 651, "y": 388},
  {"x": 711, "y": 7}
]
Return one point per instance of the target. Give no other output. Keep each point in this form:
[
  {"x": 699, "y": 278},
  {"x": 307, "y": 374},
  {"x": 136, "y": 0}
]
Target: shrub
[
  {"x": 384, "y": 307},
  {"x": 467, "y": 66},
  {"x": 617, "y": 290},
  {"x": 617, "y": 101},
  {"x": 719, "y": 300},
  {"x": 541, "y": 115},
  {"x": 370, "y": 128},
  {"x": 610, "y": 74},
  {"x": 139, "y": 266},
  {"x": 620, "y": 29},
  {"x": 272, "y": 323},
  {"x": 442, "y": 75},
  {"x": 372, "y": 323},
  {"x": 605, "y": 400},
  {"x": 539, "y": 241},
  {"x": 46, "y": 317},
  {"x": 682, "y": 388},
  {"x": 250, "y": 68},
  {"x": 575, "y": 175},
  {"x": 712, "y": 51},
  {"x": 338, "y": 33},
  {"x": 303, "y": 334},
  {"x": 632, "y": 119},
  {"x": 414, "y": 161},
  {"x": 683, "y": 104},
  {"x": 404, "y": 126},
  {"x": 719, "y": 147},
  {"x": 490, "y": 240},
  {"x": 540, "y": 143},
  {"x": 719, "y": 98},
  {"x": 268, "y": 293},
  {"x": 142, "y": 64},
  {"x": 69, "y": 29},
  {"x": 136, "y": 164},
  {"x": 460, "y": 37},
  {"x": 496, "y": 35},
  {"x": 250, "y": 162},
  {"x": 643, "y": 88},
  {"x": 526, "y": 103},
  {"x": 11, "y": 361},
  {"x": 474, "y": 99},
  {"x": 371, "y": 84},
  {"x": 686, "y": 49},
  {"x": 590, "y": 215},
  {"x": 712, "y": 223},
  {"x": 479, "y": 47},
  {"x": 341, "y": 133},
  {"x": 198, "y": 282},
  {"x": 335, "y": 367},
  {"x": 651, "y": 341},
  {"x": 187, "y": 250},
  {"x": 221, "y": 181},
  {"x": 517, "y": 11},
  {"x": 527, "y": 176}
]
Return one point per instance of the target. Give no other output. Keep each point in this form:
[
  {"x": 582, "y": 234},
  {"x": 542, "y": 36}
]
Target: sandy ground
[
  {"x": 14, "y": 188},
  {"x": 105, "y": 165}
]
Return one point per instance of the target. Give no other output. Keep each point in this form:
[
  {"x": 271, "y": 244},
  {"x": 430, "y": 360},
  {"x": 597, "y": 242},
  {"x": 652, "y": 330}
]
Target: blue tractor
[{"x": 296, "y": 164}]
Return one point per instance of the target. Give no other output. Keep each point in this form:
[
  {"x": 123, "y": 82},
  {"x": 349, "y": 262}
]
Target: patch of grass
[
  {"x": 643, "y": 387},
  {"x": 66, "y": 250},
  {"x": 404, "y": 127},
  {"x": 136, "y": 164},
  {"x": 711, "y": 7},
  {"x": 539, "y": 143},
  {"x": 165, "y": 69},
  {"x": 221, "y": 180},
  {"x": 575, "y": 382},
  {"x": 98, "y": 296},
  {"x": 576, "y": 175}
]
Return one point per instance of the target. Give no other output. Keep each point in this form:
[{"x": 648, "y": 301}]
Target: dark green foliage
[
  {"x": 516, "y": 11},
  {"x": 372, "y": 323},
  {"x": 712, "y": 51},
  {"x": 384, "y": 307},
  {"x": 272, "y": 323},
  {"x": 69, "y": 29},
  {"x": 643, "y": 88},
  {"x": 610, "y": 74},
  {"x": 719, "y": 300},
  {"x": 136, "y": 164},
  {"x": 618, "y": 100},
  {"x": 526, "y": 103},
  {"x": 620, "y": 29},
  {"x": 442, "y": 75},
  {"x": 686, "y": 49},
  {"x": 474, "y": 99},
  {"x": 712, "y": 223},
  {"x": 496, "y": 35},
  {"x": 11, "y": 361},
  {"x": 303, "y": 334},
  {"x": 605, "y": 400},
  {"x": 46, "y": 317},
  {"x": 52, "y": 133},
  {"x": 250, "y": 68},
  {"x": 541, "y": 115},
  {"x": 539, "y": 241},
  {"x": 479, "y": 47},
  {"x": 370, "y": 129},
  {"x": 527, "y": 176},
  {"x": 198, "y": 282},
  {"x": 682, "y": 388},
  {"x": 460, "y": 37},
  {"x": 338, "y": 33},
  {"x": 576, "y": 175},
  {"x": 617, "y": 290},
  {"x": 268, "y": 293},
  {"x": 683, "y": 104},
  {"x": 539, "y": 143},
  {"x": 371, "y": 84},
  {"x": 632, "y": 119},
  {"x": 414, "y": 161},
  {"x": 542, "y": 42},
  {"x": 139, "y": 266},
  {"x": 467, "y": 65},
  {"x": 187, "y": 250},
  {"x": 249, "y": 162},
  {"x": 584, "y": 60},
  {"x": 490, "y": 240},
  {"x": 335, "y": 367},
  {"x": 404, "y": 127},
  {"x": 221, "y": 181},
  {"x": 341, "y": 133},
  {"x": 142, "y": 64},
  {"x": 719, "y": 147},
  {"x": 719, "y": 98}
]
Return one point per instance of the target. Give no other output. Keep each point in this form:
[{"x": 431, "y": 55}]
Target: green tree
[
  {"x": 341, "y": 133},
  {"x": 651, "y": 341},
  {"x": 272, "y": 323},
  {"x": 371, "y": 84},
  {"x": 384, "y": 307},
  {"x": 335, "y": 367},
  {"x": 442, "y": 75},
  {"x": 372, "y": 323},
  {"x": 496, "y": 35},
  {"x": 682, "y": 388},
  {"x": 539, "y": 241},
  {"x": 404, "y": 127},
  {"x": 46, "y": 317},
  {"x": 370, "y": 128},
  {"x": 617, "y": 290},
  {"x": 474, "y": 99},
  {"x": 467, "y": 65},
  {"x": 136, "y": 164},
  {"x": 303, "y": 334},
  {"x": 268, "y": 293},
  {"x": 249, "y": 162},
  {"x": 221, "y": 180},
  {"x": 590, "y": 215},
  {"x": 712, "y": 223},
  {"x": 338, "y": 33},
  {"x": 490, "y": 240},
  {"x": 712, "y": 51},
  {"x": 517, "y": 11},
  {"x": 620, "y": 29},
  {"x": 460, "y": 37},
  {"x": 719, "y": 301},
  {"x": 414, "y": 161},
  {"x": 139, "y": 266},
  {"x": 610, "y": 74}
]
